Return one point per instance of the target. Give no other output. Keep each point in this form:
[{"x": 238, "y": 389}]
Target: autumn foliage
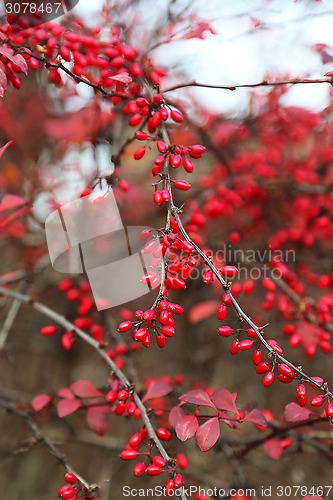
[{"x": 230, "y": 352}]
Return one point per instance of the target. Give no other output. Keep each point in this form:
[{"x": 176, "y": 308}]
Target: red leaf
[
  {"x": 3, "y": 80},
  {"x": 186, "y": 427},
  {"x": 273, "y": 448},
  {"x": 67, "y": 406},
  {"x": 175, "y": 414},
  {"x": 208, "y": 433},
  {"x": 157, "y": 389},
  {"x": 15, "y": 58},
  {"x": 312, "y": 497},
  {"x": 256, "y": 417},
  {"x": 224, "y": 400},
  {"x": 65, "y": 393},
  {"x": 197, "y": 397},
  {"x": 2, "y": 150},
  {"x": 15, "y": 215},
  {"x": 202, "y": 311},
  {"x": 85, "y": 389},
  {"x": 122, "y": 77},
  {"x": 40, "y": 401},
  {"x": 96, "y": 419},
  {"x": 295, "y": 413}
]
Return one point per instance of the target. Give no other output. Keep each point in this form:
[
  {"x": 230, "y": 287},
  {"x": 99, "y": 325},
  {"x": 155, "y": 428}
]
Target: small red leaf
[
  {"x": 175, "y": 414},
  {"x": 65, "y": 393},
  {"x": 85, "y": 389},
  {"x": 40, "y": 401},
  {"x": 273, "y": 448},
  {"x": 295, "y": 413},
  {"x": 2, "y": 150},
  {"x": 96, "y": 419},
  {"x": 197, "y": 397},
  {"x": 67, "y": 406},
  {"x": 11, "y": 201},
  {"x": 157, "y": 389},
  {"x": 256, "y": 417},
  {"x": 312, "y": 497},
  {"x": 122, "y": 77},
  {"x": 186, "y": 427},
  {"x": 208, "y": 433},
  {"x": 15, "y": 58},
  {"x": 202, "y": 311},
  {"x": 224, "y": 400}
]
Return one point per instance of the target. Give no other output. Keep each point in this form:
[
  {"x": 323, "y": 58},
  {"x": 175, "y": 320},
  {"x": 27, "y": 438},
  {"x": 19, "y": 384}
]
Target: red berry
[
  {"x": 182, "y": 185},
  {"x": 161, "y": 340},
  {"x": 163, "y": 434},
  {"x": 182, "y": 461},
  {"x": 140, "y": 135},
  {"x": 221, "y": 312},
  {"x": 139, "y": 153},
  {"x": 159, "y": 461},
  {"x": 178, "y": 480},
  {"x": 229, "y": 271},
  {"x": 111, "y": 396},
  {"x": 66, "y": 492},
  {"x": 161, "y": 147},
  {"x": 129, "y": 454},
  {"x": 188, "y": 165},
  {"x": 48, "y": 330},
  {"x": 234, "y": 347},
  {"x": 257, "y": 357},
  {"x": 263, "y": 367},
  {"x": 246, "y": 344},
  {"x": 286, "y": 370},
  {"x": 125, "y": 326},
  {"x": 197, "y": 150},
  {"x": 166, "y": 196},
  {"x": 176, "y": 116},
  {"x": 318, "y": 400},
  {"x": 268, "y": 379},
  {"x": 329, "y": 410},
  {"x": 158, "y": 198},
  {"x": 301, "y": 394},
  {"x": 169, "y": 488},
  {"x": 225, "y": 330},
  {"x": 139, "y": 469},
  {"x": 70, "y": 477},
  {"x": 153, "y": 470}
]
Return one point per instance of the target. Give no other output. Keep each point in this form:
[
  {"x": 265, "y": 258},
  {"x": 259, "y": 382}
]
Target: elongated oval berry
[
  {"x": 182, "y": 185},
  {"x": 163, "y": 434},
  {"x": 329, "y": 410},
  {"x": 286, "y": 370},
  {"x": 252, "y": 333},
  {"x": 178, "y": 480},
  {"x": 263, "y": 367},
  {"x": 159, "y": 461},
  {"x": 175, "y": 161},
  {"x": 70, "y": 477},
  {"x": 234, "y": 347},
  {"x": 257, "y": 357},
  {"x": 246, "y": 344},
  {"x": 275, "y": 346},
  {"x": 318, "y": 400},
  {"x": 187, "y": 246},
  {"x": 176, "y": 116},
  {"x": 284, "y": 379},
  {"x": 135, "y": 440},
  {"x": 268, "y": 379},
  {"x": 169, "y": 488},
  {"x": 66, "y": 492},
  {"x": 161, "y": 340},
  {"x": 161, "y": 146},
  {"x": 225, "y": 330},
  {"x": 48, "y": 330},
  {"x": 129, "y": 454},
  {"x": 125, "y": 326},
  {"x": 139, "y": 153},
  {"x": 153, "y": 470},
  {"x": 140, "y": 135},
  {"x": 188, "y": 165},
  {"x": 221, "y": 312},
  {"x": 139, "y": 469},
  {"x": 301, "y": 394},
  {"x": 197, "y": 150},
  {"x": 158, "y": 198},
  {"x": 166, "y": 196},
  {"x": 229, "y": 271}
]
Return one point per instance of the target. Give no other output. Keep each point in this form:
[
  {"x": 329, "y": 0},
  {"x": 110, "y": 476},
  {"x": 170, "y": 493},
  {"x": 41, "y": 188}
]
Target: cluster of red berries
[
  {"x": 69, "y": 491},
  {"x": 154, "y": 465},
  {"x": 159, "y": 322}
]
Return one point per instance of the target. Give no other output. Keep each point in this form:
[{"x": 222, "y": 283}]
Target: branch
[{"x": 264, "y": 83}]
